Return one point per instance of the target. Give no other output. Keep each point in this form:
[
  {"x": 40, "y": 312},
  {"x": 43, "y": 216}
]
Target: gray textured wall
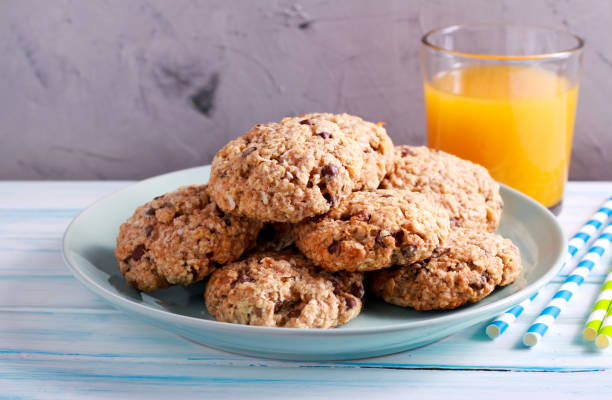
[{"x": 129, "y": 89}]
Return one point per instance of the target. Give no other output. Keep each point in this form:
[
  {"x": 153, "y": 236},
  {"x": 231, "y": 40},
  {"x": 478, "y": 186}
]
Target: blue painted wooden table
[{"x": 59, "y": 341}]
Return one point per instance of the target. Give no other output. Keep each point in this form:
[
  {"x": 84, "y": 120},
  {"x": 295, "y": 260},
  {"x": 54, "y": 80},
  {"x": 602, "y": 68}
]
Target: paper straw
[
  {"x": 575, "y": 244},
  {"x": 605, "y": 332},
  {"x": 547, "y": 317},
  {"x": 499, "y": 326},
  {"x": 599, "y": 310},
  {"x": 589, "y": 228}
]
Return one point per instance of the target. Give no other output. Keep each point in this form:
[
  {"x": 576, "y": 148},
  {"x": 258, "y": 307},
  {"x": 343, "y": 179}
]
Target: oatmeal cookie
[
  {"x": 465, "y": 269},
  {"x": 285, "y": 172},
  {"x": 179, "y": 238},
  {"x": 374, "y": 230},
  {"x": 376, "y": 145},
  {"x": 465, "y": 189},
  {"x": 285, "y": 290}
]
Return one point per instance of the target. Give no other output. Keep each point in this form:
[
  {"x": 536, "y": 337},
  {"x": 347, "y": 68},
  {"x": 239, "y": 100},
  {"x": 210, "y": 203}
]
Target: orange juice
[{"x": 517, "y": 121}]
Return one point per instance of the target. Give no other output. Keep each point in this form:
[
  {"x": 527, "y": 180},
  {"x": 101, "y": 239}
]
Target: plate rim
[{"x": 122, "y": 302}]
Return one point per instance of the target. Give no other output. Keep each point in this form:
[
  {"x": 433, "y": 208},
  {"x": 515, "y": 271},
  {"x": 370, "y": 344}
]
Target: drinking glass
[{"x": 504, "y": 96}]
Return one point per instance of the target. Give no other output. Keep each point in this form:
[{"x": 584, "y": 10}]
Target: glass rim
[{"x": 453, "y": 28}]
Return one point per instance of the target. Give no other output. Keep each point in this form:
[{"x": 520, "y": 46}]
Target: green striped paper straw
[
  {"x": 604, "y": 338},
  {"x": 599, "y": 310}
]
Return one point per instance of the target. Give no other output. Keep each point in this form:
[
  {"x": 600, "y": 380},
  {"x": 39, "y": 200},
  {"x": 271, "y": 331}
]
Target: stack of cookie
[{"x": 296, "y": 212}]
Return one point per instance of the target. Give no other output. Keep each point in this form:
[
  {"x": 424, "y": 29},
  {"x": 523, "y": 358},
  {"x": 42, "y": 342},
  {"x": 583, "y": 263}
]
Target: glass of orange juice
[{"x": 504, "y": 96}]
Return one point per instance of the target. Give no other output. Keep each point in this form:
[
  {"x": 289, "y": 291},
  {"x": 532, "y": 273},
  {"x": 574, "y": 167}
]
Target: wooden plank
[
  {"x": 18, "y": 262},
  {"x": 112, "y": 379},
  {"x": 55, "y": 194},
  {"x": 51, "y": 291}
]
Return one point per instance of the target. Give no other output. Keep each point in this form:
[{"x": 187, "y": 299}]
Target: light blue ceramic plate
[{"x": 380, "y": 329}]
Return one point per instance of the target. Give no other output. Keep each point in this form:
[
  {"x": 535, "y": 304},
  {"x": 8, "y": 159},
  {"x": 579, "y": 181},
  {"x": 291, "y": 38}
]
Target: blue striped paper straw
[
  {"x": 559, "y": 301},
  {"x": 575, "y": 244},
  {"x": 499, "y": 326}
]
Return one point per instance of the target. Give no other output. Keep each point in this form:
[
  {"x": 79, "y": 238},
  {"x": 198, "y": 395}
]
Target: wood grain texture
[
  {"x": 116, "y": 89},
  {"x": 57, "y": 340}
]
